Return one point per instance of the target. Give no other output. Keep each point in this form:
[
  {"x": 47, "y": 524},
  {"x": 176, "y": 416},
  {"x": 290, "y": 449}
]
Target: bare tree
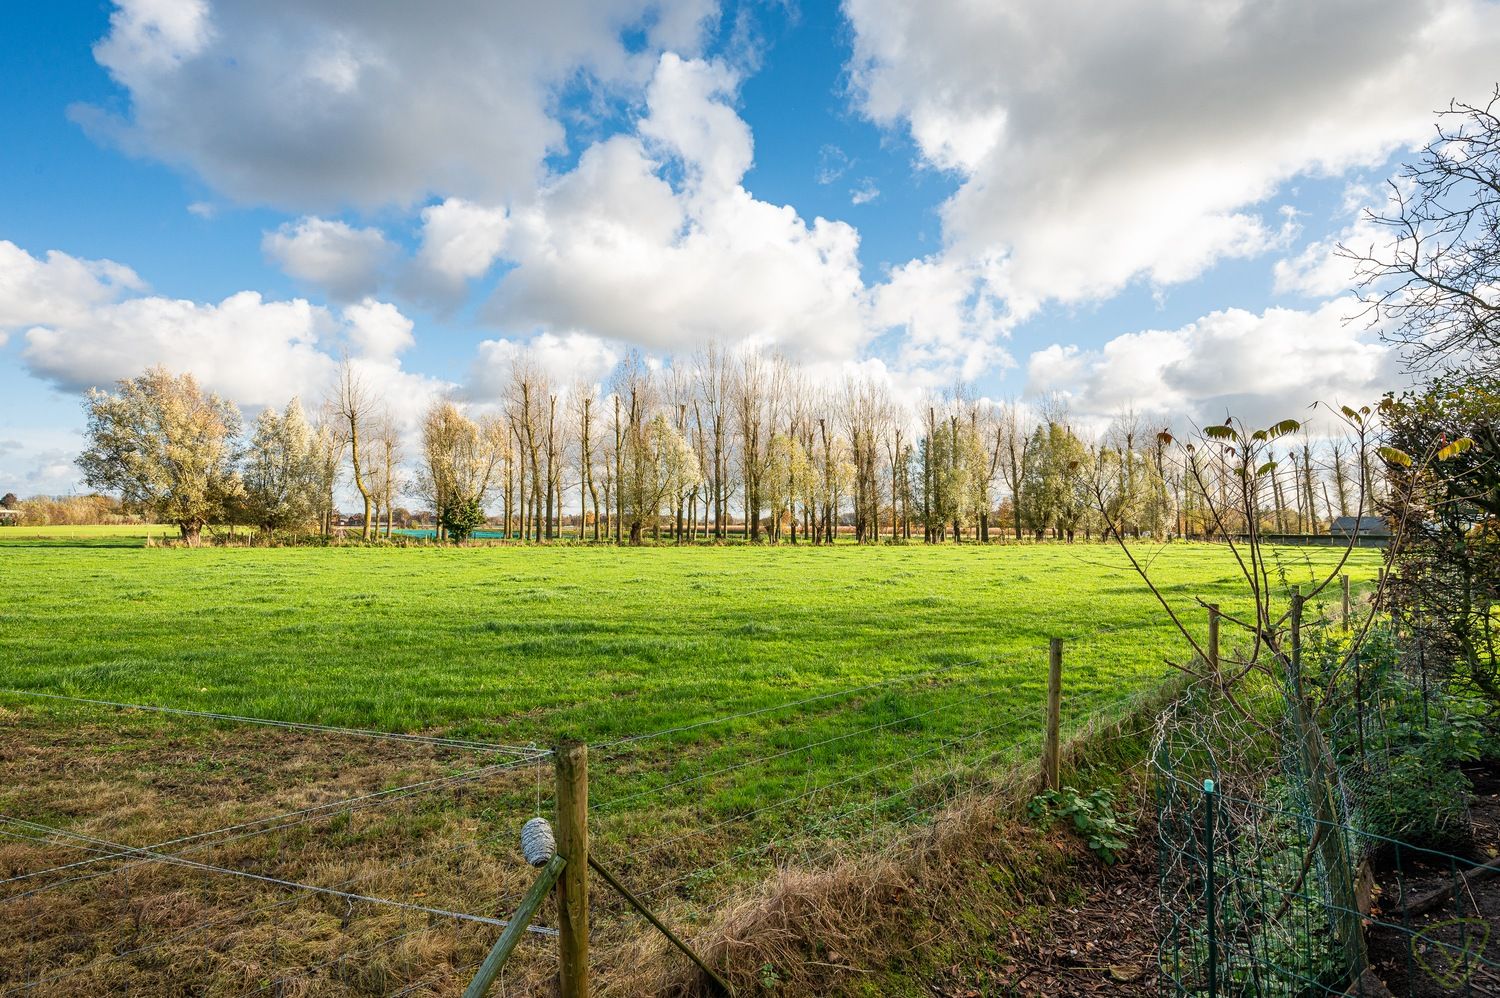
[
  {"x": 527, "y": 410},
  {"x": 1438, "y": 279},
  {"x": 355, "y": 406},
  {"x": 751, "y": 388},
  {"x": 1338, "y": 465},
  {"x": 1013, "y": 440},
  {"x": 635, "y": 398},
  {"x": 862, "y": 405},
  {"x": 715, "y": 387},
  {"x": 388, "y": 441},
  {"x": 585, "y": 397}
]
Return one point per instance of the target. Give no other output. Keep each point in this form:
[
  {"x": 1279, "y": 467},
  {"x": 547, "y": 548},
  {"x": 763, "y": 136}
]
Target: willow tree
[
  {"x": 658, "y": 463},
  {"x": 281, "y": 472},
  {"x": 165, "y": 446},
  {"x": 461, "y": 462}
]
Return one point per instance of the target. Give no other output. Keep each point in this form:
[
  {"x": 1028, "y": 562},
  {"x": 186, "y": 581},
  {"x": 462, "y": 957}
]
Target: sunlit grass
[{"x": 528, "y": 645}]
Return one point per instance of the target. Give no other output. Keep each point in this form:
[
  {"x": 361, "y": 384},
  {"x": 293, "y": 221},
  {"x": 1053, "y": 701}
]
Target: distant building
[
  {"x": 9, "y": 516},
  {"x": 1359, "y": 526}
]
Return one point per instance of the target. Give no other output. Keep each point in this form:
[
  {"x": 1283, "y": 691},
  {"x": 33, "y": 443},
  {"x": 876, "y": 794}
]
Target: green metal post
[{"x": 1211, "y": 896}]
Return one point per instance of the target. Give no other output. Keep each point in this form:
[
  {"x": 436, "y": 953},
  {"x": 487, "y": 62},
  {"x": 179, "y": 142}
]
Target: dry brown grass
[
  {"x": 831, "y": 928},
  {"x": 829, "y": 916},
  {"x": 156, "y": 929}
]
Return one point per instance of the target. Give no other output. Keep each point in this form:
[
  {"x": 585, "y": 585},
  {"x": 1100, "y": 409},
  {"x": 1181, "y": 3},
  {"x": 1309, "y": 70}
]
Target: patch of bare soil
[{"x": 1448, "y": 913}]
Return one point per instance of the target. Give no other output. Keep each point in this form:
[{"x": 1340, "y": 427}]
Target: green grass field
[
  {"x": 522, "y": 644},
  {"x": 525, "y": 645},
  {"x": 927, "y": 663}
]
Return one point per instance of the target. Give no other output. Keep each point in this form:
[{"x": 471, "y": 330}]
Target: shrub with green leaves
[
  {"x": 1419, "y": 801},
  {"x": 1093, "y": 817},
  {"x": 461, "y": 518}
]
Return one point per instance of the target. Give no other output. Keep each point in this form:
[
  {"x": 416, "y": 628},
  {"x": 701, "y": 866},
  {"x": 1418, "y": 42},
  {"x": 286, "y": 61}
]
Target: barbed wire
[
  {"x": 904, "y": 760},
  {"x": 348, "y": 896},
  {"x": 610, "y": 804},
  {"x": 308, "y": 970},
  {"x": 156, "y": 857},
  {"x": 110, "y": 851},
  {"x": 426, "y": 981},
  {"x": 805, "y": 832},
  {"x": 214, "y": 923}
]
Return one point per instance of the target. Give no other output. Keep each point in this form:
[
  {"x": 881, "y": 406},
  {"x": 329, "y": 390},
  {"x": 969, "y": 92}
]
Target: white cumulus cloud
[
  {"x": 377, "y": 329},
  {"x": 563, "y": 357},
  {"x": 316, "y": 106},
  {"x": 1099, "y": 144},
  {"x": 86, "y": 331},
  {"x": 38, "y": 290},
  {"x": 1260, "y": 367},
  {"x": 461, "y": 240},
  {"x": 332, "y": 256},
  {"x": 614, "y": 249}
]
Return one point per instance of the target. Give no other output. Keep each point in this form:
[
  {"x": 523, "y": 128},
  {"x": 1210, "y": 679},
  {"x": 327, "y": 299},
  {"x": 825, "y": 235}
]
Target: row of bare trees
[
  {"x": 719, "y": 444},
  {"x": 747, "y": 444}
]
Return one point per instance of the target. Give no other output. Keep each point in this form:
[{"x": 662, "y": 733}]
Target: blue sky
[{"x": 1130, "y": 206}]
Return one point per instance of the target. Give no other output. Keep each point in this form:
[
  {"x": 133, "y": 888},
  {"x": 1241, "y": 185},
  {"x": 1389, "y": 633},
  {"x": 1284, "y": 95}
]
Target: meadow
[
  {"x": 520, "y": 645},
  {"x": 907, "y": 670}
]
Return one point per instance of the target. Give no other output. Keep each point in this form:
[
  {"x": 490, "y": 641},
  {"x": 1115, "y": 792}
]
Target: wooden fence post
[
  {"x": 1213, "y": 641},
  {"x": 500, "y": 952},
  {"x": 1052, "y": 745},
  {"x": 1320, "y": 775},
  {"x": 1296, "y": 656},
  {"x": 572, "y": 762},
  {"x": 1347, "y": 605}
]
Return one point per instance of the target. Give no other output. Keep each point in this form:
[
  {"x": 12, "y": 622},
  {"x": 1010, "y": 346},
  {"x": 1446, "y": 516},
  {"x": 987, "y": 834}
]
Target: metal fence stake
[
  {"x": 660, "y": 926},
  {"x": 1211, "y": 895},
  {"x": 1052, "y": 744}
]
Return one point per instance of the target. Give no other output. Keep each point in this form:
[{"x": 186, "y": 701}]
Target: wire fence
[
  {"x": 383, "y": 860},
  {"x": 390, "y": 865},
  {"x": 1317, "y": 843}
]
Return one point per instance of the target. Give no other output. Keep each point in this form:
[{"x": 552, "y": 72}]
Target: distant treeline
[
  {"x": 42, "y": 511},
  {"x": 716, "y": 446}
]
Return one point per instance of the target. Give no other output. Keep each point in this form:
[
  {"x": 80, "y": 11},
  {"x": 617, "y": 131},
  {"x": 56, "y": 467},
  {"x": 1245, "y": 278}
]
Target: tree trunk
[
  {"x": 620, "y": 479},
  {"x": 359, "y": 479}
]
